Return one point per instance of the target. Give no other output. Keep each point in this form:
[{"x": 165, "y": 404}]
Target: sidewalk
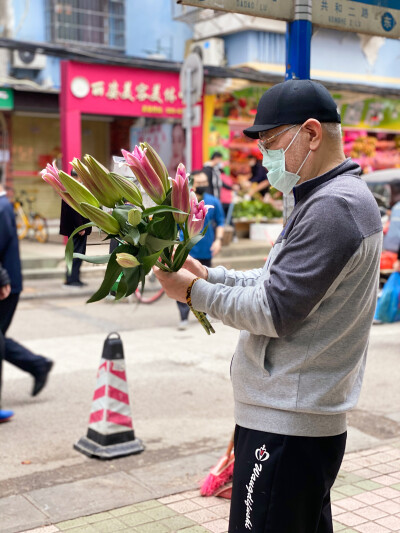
[{"x": 366, "y": 499}]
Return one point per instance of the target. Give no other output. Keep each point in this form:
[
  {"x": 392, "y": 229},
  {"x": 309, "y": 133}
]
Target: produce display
[
  {"x": 255, "y": 210},
  {"x": 372, "y": 150}
]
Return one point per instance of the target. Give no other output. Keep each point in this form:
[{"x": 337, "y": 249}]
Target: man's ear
[{"x": 313, "y": 130}]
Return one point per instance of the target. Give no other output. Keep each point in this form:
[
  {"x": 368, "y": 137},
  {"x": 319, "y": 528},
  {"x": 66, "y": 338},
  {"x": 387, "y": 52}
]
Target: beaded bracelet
[{"x": 189, "y": 292}]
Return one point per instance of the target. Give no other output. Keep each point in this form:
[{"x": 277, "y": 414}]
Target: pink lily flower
[
  {"x": 197, "y": 215},
  {"x": 145, "y": 173},
  {"x": 50, "y": 176},
  {"x": 180, "y": 194}
]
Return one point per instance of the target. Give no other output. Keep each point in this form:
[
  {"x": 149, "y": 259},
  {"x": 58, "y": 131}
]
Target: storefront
[{"x": 142, "y": 105}]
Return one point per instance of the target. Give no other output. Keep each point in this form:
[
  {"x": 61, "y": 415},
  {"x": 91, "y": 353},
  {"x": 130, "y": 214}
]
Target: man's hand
[
  {"x": 396, "y": 266},
  {"x": 216, "y": 247},
  {"x": 195, "y": 267},
  {"x": 175, "y": 284},
  {"x": 5, "y": 291},
  {"x": 82, "y": 233}
]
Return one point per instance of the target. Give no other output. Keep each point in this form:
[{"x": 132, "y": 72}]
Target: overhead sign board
[
  {"x": 6, "y": 99},
  {"x": 270, "y": 9},
  {"x": 374, "y": 17}
]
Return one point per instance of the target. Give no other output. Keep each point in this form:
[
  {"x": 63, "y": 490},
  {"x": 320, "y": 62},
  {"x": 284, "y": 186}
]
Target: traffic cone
[{"x": 110, "y": 433}]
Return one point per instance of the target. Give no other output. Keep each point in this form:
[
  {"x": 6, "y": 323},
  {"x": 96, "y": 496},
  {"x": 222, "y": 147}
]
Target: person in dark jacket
[
  {"x": 5, "y": 289},
  {"x": 69, "y": 221},
  {"x": 13, "y": 352}
]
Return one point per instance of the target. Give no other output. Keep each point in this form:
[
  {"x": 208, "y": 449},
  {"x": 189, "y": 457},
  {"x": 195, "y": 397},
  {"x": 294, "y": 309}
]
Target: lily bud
[
  {"x": 50, "y": 175},
  {"x": 158, "y": 164},
  {"x": 103, "y": 220},
  {"x": 77, "y": 190},
  {"x": 138, "y": 162},
  {"x": 197, "y": 215},
  {"x": 134, "y": 217},
  {"x": 110, "y": 192},
  {"x": 180, "y": 194},
  {"x": 85, "y": 177},
  {"x": 127, "y": 260},
  {"x": 128, "y": 189}
]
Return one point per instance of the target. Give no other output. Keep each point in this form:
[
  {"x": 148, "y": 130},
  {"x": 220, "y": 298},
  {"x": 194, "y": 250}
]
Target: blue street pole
[{"x": 298, "y": 41}]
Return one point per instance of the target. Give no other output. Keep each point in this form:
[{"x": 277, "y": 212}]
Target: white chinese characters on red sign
[{"x": 81, "y": 88}]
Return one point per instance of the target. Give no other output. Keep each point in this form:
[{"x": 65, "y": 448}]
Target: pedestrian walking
[
  {"x": 210, "y": 245},
  {"x": 69, "y": 221},
  {"x": 213, "y": 169},
  {"x": 304, "y": 318},
  {"x": 13, "y": 352},
  {"x": 5, "y": 289}
]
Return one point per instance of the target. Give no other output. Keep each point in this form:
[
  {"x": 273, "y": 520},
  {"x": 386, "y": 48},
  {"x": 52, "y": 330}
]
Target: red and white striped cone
[{"x": 110, "y": 433}]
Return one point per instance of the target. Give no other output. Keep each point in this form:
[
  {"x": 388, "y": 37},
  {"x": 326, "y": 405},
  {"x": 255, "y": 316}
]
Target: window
[{"x": 94, "y": 23}]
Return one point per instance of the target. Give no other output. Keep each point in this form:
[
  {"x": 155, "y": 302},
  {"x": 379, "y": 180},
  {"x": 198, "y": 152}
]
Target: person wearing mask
[
  {"x": 210, "y": 245},
  {"x": 213, "y": 169},
  {"x": 69, "y": 221},
  {"x": 16, "y": 354},
  {"x": 304, "y": 318}
]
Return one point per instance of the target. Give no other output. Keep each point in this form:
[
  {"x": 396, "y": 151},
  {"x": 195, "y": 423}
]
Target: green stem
[
  {"x": 163, "y": 267},
  {"x": 166, "y": 260}
]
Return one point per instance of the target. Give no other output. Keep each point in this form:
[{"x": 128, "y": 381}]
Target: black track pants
[{"x": 281, "y": 484}]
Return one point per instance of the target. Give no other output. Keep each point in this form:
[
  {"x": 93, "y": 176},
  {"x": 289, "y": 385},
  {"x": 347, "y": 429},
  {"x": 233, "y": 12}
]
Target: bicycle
[
  {"x": 29, "y": 221},
  {"x": 152, "y": 290}
]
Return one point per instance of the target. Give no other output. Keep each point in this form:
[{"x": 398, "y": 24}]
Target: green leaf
[
  {"x": 164, "y": 227},
  {"x": 149, "y": 261},
  {"x": 154, "y": 243},
  {"x": 121, "y": 290},
  {"x": 134, "y": 234},
  {"x": 95, "y": 259},
  {"x": 121, "y": 215},
  {"x": 161, "y": 209},
  {"x": 183, "y": 251},
  {"x": 112, "y": 272},
  {"x": 132, "y": 278},
  {"x": 69, "y": 249}
]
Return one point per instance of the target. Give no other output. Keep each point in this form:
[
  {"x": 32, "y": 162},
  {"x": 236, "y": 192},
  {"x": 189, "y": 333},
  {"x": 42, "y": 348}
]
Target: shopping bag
[{"x": 388, "y": 308}]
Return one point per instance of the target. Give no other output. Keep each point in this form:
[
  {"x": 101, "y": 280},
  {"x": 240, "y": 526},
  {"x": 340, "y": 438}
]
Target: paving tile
[
  {"x": 337, "y": 526},
  {"x": 150, "y": 504},
  {"x": 349, "y": 466},
  {"x": 88, "y": 528},
  {"x": 217, "y": 526},
  {"x": 336, "y": 495},
  {"x": 175, "y": 523},
  {"x": 391, "y": 522},
  {"x": 350, "y": 519},
  {"x": 69, "y": 524},
  {"x": 152, "y": 527},
  {"x": 396, "y": 474},
  {"x": 389, "y": 507},
  {"x": 396, "y": 486},
  {"x": 184, "y": 506},
  {"x": 45, "y": 529},
  {"x": 384, "y": 468},
  {"x": 349, "y": 490},
  {"x": 371, "y": 527},
  {"x": 367, "y": 484},
  {"x": 108, "y": 526},
  {"x": 98, "y": 517},
  {"x": 350, "y": 504},
  {"x": 385, "y": 480},
  {"x": 18, "y": 512},
  {"x": 135, "y": 519},
  {"x": 123, "y": 510},
  {"x": 158, "y": 513},
  {"x": 222, "y": 510},
  {"x": 371, "y": 513},
  {"x": 191, "y": 494},
  {"x": 171, "y": 499},
  {"x": 369, "y": 498},
  {"x": 202, "y": 516},
  {"x": 386, "y": 492},
  {"x": 208, "y": 501},
  {"x": 195, "y": 529}
]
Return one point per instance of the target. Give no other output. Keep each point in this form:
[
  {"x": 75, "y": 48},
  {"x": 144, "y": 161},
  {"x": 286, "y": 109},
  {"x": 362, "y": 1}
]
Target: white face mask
[{"x": 274, "y": 162}]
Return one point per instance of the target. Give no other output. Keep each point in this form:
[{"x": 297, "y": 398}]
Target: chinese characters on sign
[
  {"x": 275, "y": 9},
  {"x": 153, "y": 96},
  {"x": 376, "y": 17}
]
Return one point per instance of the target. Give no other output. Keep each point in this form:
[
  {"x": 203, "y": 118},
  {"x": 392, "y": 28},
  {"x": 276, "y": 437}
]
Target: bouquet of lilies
[{"x": 146, "y": 237}]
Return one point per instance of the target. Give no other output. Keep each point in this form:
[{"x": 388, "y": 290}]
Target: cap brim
[{"x": 253, "y": 131}]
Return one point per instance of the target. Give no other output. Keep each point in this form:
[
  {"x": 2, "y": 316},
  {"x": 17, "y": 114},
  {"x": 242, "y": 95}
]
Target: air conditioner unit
[
  {"x": 28, "y": 60},
  {"x": 212, "y": 51}
]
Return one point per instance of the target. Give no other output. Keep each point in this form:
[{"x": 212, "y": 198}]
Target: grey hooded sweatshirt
[{"x": 305, "y": 317}]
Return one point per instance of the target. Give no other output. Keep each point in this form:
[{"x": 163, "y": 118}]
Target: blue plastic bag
[{"x": 388, "y": 308}]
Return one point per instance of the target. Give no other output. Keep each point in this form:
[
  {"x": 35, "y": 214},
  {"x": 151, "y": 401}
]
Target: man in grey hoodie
[{"x": 304, "y": 318}]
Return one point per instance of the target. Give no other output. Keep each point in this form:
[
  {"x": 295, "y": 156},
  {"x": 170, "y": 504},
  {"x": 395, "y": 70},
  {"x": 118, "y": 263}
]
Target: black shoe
[{"x": 41, "y": 377}]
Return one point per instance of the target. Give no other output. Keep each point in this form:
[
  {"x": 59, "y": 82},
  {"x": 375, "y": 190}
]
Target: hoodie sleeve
[{"x": 232, "y": 278}]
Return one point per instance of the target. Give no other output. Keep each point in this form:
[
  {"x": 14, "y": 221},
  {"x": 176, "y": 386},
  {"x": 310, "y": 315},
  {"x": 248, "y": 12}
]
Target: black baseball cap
[{"x": 293, "y": 102}]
